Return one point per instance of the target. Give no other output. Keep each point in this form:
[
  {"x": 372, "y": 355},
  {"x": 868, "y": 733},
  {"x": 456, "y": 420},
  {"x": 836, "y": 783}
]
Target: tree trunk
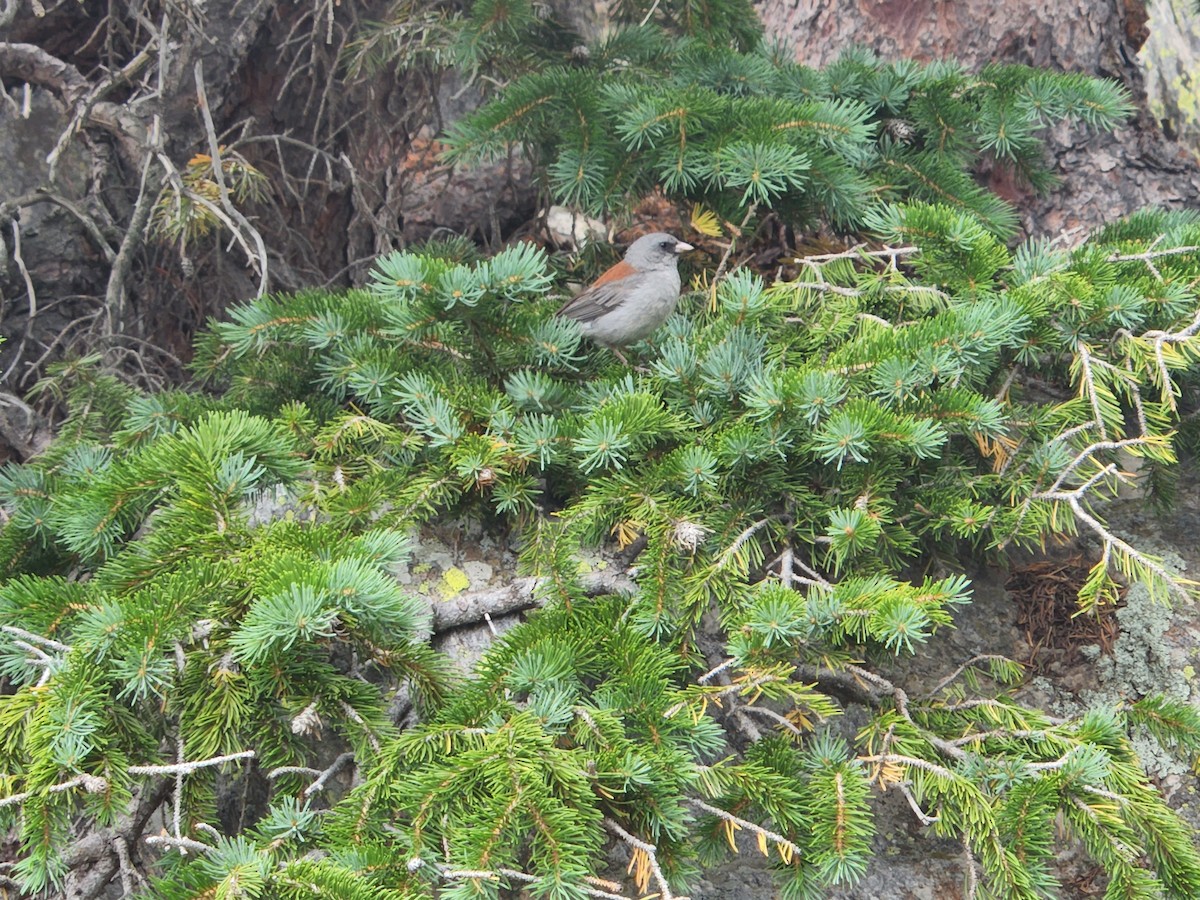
[{"x": 1102, "y": 176}]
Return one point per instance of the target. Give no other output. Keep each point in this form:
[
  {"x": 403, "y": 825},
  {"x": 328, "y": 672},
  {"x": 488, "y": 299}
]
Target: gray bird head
[{"x": 656, "y": 251}]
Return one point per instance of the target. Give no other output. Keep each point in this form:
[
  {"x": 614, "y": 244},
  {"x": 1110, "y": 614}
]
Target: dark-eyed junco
[{"x": 634, "y": 297}]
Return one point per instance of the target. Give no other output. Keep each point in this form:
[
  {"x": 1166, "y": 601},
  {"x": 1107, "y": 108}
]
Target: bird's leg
[{"x": 621, "y": 356}]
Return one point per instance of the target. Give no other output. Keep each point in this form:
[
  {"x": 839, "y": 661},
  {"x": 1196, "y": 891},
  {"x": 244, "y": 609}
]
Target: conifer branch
[
  {"x": 953, "y": 676},
  {"x": 91, "y": 783},
  {"x": 186, "y": 768},
  {"x": 651, "y": 852},
  {"x": 897, "y": 759},
  {"x": 1150, "y": 254},
  {"x": 292, "y": 770},
  {"x": 1085, "y": 455},
  {"x": 343, "y": 760},
  {"x": 923, "y": 817},
  {"x": 1113, "y": 543},
  {"x": 782, "y": 721},
  {"x": 495, "y": 875},
  {"x": 900, "y": 700},
  {"x": 740, "y": 541},
  {"x": 41, "y": 660},
  {"x": 184, "y": 845},
  {"x": 353, "y": 716},
  {"x": 979, "y": 737},
  {"x": 716, "y": 670},
  {"x": 36, "y": 638},
  {"x": 808, "y": 575},
  {"x": 1107, "y": 795},
  {"x": 969, "y": 864},
  {"x": 787, "y": 566},
  {"x": 739, "y": 822},
  {"x": 974, "y": 703},
  {"x": 1085, "y": 367},
  {"x": 860, "y": 251},
  {"x": 1050, "y": 765},
  {"x": 208, "y": 829}
]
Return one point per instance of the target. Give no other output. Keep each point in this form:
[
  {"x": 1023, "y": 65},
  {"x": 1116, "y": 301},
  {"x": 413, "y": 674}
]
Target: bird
[{"x": 634, "y": 297}]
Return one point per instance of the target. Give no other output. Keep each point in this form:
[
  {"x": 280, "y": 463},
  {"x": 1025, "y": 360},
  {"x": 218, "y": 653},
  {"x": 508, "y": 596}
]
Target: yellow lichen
[{"x": 454, "y": 581}]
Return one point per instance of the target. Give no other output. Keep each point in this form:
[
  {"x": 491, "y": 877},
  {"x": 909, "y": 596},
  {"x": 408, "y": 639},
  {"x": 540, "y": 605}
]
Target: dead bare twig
[
  {"x": 114, "y": 292},
  {"x": 259, "y": 260}
]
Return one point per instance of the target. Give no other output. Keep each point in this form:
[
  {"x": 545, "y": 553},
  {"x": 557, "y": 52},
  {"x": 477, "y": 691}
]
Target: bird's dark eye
[{"x": 667, "y": 245}]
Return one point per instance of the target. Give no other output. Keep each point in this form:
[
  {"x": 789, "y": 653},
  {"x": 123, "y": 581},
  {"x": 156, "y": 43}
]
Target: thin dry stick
[
  {"x": 336, "y": 766},
  {"x": 214, "y": 149},
  {"x": 42, "y": 195},
  {"x": 114, "y": 291},
  {"x": 29, "y": 290},
  {"x": 732, "y": 244},
  {"x": 972, "y": 875},
  {"x": 88, "y": 108},
  {"x": 650, "y": 12}
]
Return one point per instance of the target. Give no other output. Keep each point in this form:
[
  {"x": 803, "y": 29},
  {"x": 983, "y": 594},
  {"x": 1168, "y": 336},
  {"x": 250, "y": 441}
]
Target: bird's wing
[{"x": 605, "y": 294}]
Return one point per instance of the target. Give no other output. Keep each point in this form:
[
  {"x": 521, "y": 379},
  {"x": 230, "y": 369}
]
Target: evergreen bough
[
  {"x": 789, "y": 456},
  {"x": 713, "y": 115}
]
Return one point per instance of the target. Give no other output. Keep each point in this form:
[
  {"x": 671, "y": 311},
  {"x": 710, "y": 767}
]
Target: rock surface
[{"x": 1171, "y": 59}]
